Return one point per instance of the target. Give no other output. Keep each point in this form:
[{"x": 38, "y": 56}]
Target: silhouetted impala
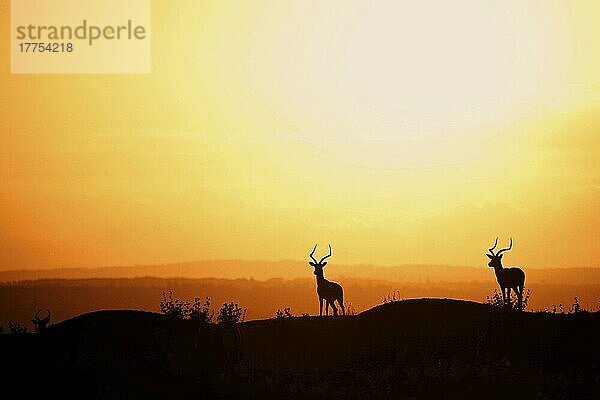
[
  {"x": 41, "y": 323},
  {"x": 508, "y": 278},
  {"x": 328, "y": 291}
]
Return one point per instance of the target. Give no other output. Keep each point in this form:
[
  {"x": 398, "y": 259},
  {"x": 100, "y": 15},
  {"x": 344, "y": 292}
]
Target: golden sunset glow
[{"x": 400, "y": 132}]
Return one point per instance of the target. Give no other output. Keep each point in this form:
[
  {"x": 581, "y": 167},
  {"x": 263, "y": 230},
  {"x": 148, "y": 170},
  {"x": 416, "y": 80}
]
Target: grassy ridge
[{"x": 426, "y": 348}]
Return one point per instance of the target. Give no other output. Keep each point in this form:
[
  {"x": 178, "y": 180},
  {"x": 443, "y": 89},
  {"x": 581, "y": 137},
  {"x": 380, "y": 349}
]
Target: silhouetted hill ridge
[{"x": 418, "y": 348}]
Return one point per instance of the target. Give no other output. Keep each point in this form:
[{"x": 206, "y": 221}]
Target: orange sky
[{"x": 411, "y": 132}]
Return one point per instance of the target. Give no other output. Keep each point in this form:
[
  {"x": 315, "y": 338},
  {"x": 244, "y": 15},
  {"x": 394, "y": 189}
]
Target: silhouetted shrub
[
  {"x": 174, "y": 308},
  {"x": 496, "y": 300},
  {"x": 231, "y": 312},
  {"x": 201, "y": 311},
  {"x": 16, "y": 328},
  {"x": 575, "y": 308},
  {"x": 283, "y": 314}
]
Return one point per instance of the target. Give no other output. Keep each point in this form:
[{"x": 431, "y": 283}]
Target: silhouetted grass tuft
[
  {"x": 286, "y": 313},
  {"x": 350, "y": 309},
  {"x": 392, "y": 297},
  {"x": 496, "y": 300}
]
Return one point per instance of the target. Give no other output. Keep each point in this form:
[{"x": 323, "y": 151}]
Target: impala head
[
  {"x": 496, "y": 259},
  {"x": 40, "y": 323},
  {"x": 318, "y": 265}
]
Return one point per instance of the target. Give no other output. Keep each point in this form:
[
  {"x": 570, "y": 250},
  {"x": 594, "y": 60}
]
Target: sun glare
[
  {"x": 379, "y": 82},
  {"x": 428, "y": 57}
]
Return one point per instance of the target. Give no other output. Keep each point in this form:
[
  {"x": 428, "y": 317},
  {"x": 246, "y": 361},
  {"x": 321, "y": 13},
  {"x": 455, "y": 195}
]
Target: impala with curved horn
[
  {"x": 508, "y": 278},
  {"x": 41, "y": 323},
  {"x": 328, "y": 291}
]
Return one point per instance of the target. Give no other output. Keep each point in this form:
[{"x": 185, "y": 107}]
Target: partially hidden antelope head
[
  {"x": 508, "y": 278},
  {"x": 41, "y": 323},
  {"x": 328, "y": 291}
]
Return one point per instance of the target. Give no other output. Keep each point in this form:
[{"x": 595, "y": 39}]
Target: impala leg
[
  {"x": 519, "y": 291},
  {"x": 341, "y": 303},
  {"x": 333, "y": 307},
  {"x": 508, "y": 290},
  {"x": 326, "y": 307},
  {"x": 320, "y": 306}
]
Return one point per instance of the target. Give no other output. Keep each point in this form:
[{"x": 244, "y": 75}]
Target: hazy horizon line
[{"x": 243, "y": 260}]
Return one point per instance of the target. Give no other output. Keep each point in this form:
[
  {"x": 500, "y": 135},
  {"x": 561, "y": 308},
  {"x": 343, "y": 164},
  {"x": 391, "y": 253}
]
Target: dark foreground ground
[{"x": 413, "y": 349}]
